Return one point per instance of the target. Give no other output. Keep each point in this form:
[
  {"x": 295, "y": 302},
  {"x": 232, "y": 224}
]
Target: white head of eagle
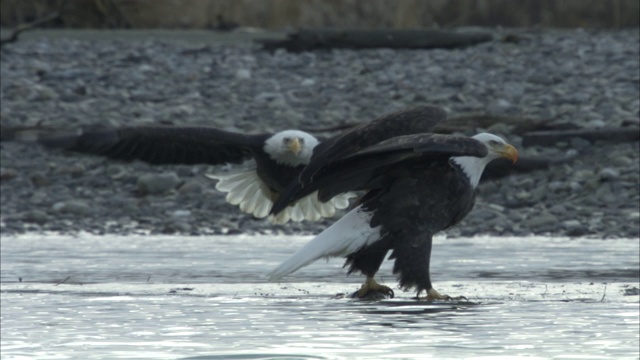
[
  {"x": 474, "y": 166},
  {"x": 291, "y": 147}
]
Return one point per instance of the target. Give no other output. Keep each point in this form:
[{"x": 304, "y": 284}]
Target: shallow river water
[{"x": 168, "y": 297}]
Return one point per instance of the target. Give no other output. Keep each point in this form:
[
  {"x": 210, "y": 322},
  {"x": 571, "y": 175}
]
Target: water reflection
[
  {"x": 603, "y": 274},
  {"x": 207, "y": 298}
]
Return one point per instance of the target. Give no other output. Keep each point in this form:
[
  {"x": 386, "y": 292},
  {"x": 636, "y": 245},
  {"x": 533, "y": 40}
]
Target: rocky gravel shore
[{"x": 584, "y": 77}]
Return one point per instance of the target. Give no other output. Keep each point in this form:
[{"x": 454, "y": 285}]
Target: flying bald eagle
[
  {"x": 416, "y": 185},
  {"x": 279, "y": 158}
]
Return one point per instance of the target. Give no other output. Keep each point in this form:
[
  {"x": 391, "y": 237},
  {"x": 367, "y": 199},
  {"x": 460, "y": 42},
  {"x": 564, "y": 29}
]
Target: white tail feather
[{"x": 344, "y": 237}]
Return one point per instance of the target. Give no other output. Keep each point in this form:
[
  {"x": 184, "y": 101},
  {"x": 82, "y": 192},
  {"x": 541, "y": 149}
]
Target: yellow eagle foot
[
  {"x": 371, "y": 290},
  {"x": 432, "y": 295}
]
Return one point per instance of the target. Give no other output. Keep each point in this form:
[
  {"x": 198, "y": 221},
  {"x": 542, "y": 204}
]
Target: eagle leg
[
  {"x": 432, "y": 295},
  {"x": 371, "y": 289}
]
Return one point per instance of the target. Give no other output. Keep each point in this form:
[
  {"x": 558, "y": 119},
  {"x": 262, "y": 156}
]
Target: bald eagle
[
  {"x": 415, "y": 186},
  {"x": 279, "y": 157}
]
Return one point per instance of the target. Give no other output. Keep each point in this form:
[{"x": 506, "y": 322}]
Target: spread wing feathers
[
  {"x": 364, "y": 169},
  {"x": 345, "y": 236},
  {"x": 420, "y": 119},
  {"x": 311, "y": 209},
  {"x": 253, "y": 197},
  {"x": 162, "y": 144},
  {"x": 245, "y": 190}
]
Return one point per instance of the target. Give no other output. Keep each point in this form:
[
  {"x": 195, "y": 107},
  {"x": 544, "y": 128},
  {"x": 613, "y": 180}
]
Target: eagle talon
[
  {"x": 371, "y": 289},
  {"x": 432, "y": 295}
]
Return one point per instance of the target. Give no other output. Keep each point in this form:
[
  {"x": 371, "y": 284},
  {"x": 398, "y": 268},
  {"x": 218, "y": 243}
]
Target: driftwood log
[
  {"x": 49, "y": 137},
  {"x": 323, "y": 39},
  {"x": 469, "y": 122},
  {"x": 67, "y": 138},
  {"x": 517, "y": 124},
  {"x": 552, "y": 137},
  {"x": 500, "y": 168},
  {"x": 34, "y": 24}
]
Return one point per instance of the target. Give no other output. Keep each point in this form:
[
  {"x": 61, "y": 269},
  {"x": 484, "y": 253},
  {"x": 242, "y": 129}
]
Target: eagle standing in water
[{"x": 416, "y": 184}]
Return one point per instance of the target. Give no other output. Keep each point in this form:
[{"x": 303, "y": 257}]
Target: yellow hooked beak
[
  {"x": 509, "y": 152},
  {"x": 294, "y": 145}
]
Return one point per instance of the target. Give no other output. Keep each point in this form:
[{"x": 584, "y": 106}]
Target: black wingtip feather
[{"x": 290, "y": 195}]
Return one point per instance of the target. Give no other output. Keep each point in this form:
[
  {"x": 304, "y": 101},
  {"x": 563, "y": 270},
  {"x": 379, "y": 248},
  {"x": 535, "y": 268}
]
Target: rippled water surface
[{"x": 162, "y": 297}]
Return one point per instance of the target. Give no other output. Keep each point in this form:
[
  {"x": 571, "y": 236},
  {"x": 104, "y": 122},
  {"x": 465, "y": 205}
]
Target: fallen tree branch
[
  {"x": 552, "y": 137},
  {"x": 13, "y": 37},
  {"x": 500, "y": 168},
  {"x": 324, "y": 39},
  {"x": 341, "y": 127}
]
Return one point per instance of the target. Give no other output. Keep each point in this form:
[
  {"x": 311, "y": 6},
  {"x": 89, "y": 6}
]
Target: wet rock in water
[
  {"x": 153, "y": 184},
  {"x": 634, "y": 291},
  {"x": 371, "y": 296}
]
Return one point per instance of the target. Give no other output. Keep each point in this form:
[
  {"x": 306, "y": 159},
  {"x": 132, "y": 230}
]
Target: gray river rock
[{"x": 588, "y": 78}]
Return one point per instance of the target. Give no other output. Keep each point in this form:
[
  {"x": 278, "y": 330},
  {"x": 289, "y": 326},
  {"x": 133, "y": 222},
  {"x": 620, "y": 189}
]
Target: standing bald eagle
[
  {"x": 416, "y": 185},
  {"x": 279, "y": 158}
]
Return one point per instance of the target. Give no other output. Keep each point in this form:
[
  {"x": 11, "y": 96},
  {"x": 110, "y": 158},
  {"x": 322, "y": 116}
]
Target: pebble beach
[{"x": 590, "y": 78}]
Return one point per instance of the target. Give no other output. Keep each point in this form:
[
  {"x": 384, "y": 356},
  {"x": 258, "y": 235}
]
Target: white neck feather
[{"x": 472, "y": 167}]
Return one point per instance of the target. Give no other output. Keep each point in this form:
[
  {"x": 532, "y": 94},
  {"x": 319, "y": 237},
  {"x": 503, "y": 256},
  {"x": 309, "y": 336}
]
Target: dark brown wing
[
  {"x": 420, "y": 145},
  {"x": 163, "y": 144},
  {"x": 366, "y": 168},
  {"x": 420, "y": 119}
]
